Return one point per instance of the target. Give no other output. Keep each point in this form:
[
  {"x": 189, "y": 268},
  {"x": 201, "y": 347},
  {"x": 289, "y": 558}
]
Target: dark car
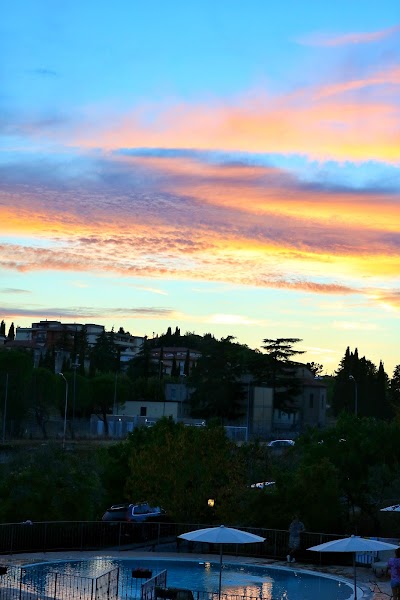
[{"x": 134, "y": 513}]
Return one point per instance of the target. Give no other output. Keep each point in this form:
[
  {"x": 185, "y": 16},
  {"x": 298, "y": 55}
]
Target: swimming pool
[{"x": 272, "y": 583}]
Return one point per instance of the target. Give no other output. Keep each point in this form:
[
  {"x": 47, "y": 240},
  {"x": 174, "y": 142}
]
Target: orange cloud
[{"x": 319, "y": 122}]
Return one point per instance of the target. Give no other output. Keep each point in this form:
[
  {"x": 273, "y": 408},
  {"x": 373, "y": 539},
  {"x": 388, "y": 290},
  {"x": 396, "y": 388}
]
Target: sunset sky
[{"x": 221, "y": 166}]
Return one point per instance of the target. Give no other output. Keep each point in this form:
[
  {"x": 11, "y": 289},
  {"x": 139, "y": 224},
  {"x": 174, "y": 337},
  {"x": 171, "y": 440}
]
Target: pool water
[{"x": 244, "y": 580}]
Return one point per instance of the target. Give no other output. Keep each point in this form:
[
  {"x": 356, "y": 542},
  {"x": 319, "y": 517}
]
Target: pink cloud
[
  {"x": 327, "y": 40},
  {"x": 322, "y": 122}
]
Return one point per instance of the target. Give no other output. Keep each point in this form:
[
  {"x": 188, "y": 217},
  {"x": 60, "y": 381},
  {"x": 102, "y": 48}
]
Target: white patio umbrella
[
  {"x": 353, "y": 544},
  {"x": 393, "y": 508},
  {"x": 221, "y": 535}
]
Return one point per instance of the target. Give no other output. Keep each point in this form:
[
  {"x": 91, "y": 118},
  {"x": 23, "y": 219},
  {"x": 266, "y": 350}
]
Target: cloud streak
[
  {"x": 332, "y": 41},
  {"x": 325, "y": 121},
  {"x": 199, "y": 220}
]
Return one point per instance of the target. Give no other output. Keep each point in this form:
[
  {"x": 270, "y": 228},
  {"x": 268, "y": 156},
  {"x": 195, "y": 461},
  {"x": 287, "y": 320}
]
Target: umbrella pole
[
  {"x": 220, "y": 572},
  {"x": 355, "y": 576}
]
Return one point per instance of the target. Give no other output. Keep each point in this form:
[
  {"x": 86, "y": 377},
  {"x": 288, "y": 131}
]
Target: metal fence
[
  {"x": 149, "y": 587},
  {"x": 97, "y": 535},
  {"x": 18, "y": 583},
  {"x": 32, "y": 583}
]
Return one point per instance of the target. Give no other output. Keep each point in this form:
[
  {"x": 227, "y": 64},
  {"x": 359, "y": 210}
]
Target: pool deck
[{"x": 372, "y": 587}]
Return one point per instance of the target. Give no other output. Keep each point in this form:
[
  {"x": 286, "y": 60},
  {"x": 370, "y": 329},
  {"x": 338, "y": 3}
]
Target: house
[
  {"x": 54, "y": 335},
  {"x": 165, "y": 357}
]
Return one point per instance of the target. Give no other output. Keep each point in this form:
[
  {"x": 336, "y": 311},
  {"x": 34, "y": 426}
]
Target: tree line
[
  {"x": 218, "y": 381},
  {"x": 336, "y": 480}
]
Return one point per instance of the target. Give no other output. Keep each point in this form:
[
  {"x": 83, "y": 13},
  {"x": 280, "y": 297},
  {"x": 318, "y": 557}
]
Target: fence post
[
  {"x": 20, "y": 583},
  {"x": 55, "y": 587},
  {"x": 45, "y": 537}
]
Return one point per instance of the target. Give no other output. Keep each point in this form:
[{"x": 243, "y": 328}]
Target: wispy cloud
[
  {"x": 13, "y": 291},
  {"x": 331, "y": 40},
  {"x": 44, "y": 72},
  {"x": 355, "y": 325},
  {"x": 85, "y": 313},
  {"x": 325, "y": 121}
]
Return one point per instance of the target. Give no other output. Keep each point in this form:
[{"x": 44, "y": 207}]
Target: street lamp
[
  {"x": 355, "y": 395},
  {"x": 65, "y": 409},
  {"x": 75, "y": 366}
]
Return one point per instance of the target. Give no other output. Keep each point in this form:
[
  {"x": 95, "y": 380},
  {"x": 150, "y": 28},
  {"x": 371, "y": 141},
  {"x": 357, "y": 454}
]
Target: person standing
[
  {"x": 296, "y": 528},
  {"x": 394, "y": 569}
]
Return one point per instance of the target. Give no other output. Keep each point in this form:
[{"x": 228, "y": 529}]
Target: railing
[
  {"x": 148, "y": 588},
  {"x": 17, "y": 583},
  {"x": 98, "y": 535}
]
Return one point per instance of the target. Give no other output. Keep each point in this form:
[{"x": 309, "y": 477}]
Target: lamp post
[
  {"x": 75, "y": 366},
  {"x": 65, "y": 409},
  {"x": 355, "y": 394}
]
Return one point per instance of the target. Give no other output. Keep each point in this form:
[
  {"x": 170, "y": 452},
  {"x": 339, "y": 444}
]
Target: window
[
  {"x": 322, "y": 401},
  {"x": 143, "y": 411},
  {"x": 311, "y": 400}
]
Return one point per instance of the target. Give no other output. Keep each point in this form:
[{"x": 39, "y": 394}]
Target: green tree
[
  {"x": 383, "y": 408},
  {"x": 186, "y": 367},
  {"x": 44, "y": 400},
  {"x": 358, "y": 379},
  {"x": 81, "y": 347},
  {"x": 2, "y": 329},
  {"x": 104, "y": 356},
  {"x": 143, "y": 365},
  {"x": 395, "y": 390},
  {"x": 52, "y": 485},
  {"x": 218, "y": 391},
  {"x": 192, "y": 465},
  {"x": 48, "y": 360},
  {"x": 16, "y": 368},
  {"x": 174, "y": 368},
  {"x": 280, "y": 371},
  {"x": 11, "y": 333},
  {"x": 316, "y": 368},
  {"x": 102, "y": 397}
]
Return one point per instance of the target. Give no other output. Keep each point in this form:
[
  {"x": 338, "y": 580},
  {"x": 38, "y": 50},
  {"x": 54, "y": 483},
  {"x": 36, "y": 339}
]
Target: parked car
[
  {"x": 281, "y": 443},
  {"x": 134, "y": 513}
]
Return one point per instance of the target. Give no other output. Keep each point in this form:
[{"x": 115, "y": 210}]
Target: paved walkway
[{"x": 370, "y": 586}]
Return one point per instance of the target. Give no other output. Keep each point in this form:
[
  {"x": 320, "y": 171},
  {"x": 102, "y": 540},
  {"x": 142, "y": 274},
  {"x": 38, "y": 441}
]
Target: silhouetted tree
[
  {"x": 104, "y": 356},
  {"x": 174, "y": 368},
  {"x": 11, "y": 333},
  {"x": 218, "y": 391},
  {"x": 143, "y": 365},
  {"x": 280, "y": 371},
  {"x": 47, "y": 360},
  {"x": 395, "y": 389},
  {"x": 358, "y": 378},
  {"x": 186, "y": 368},
  {"x": 81, "y": 347},
  {"x": 315, "y": 368}
]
